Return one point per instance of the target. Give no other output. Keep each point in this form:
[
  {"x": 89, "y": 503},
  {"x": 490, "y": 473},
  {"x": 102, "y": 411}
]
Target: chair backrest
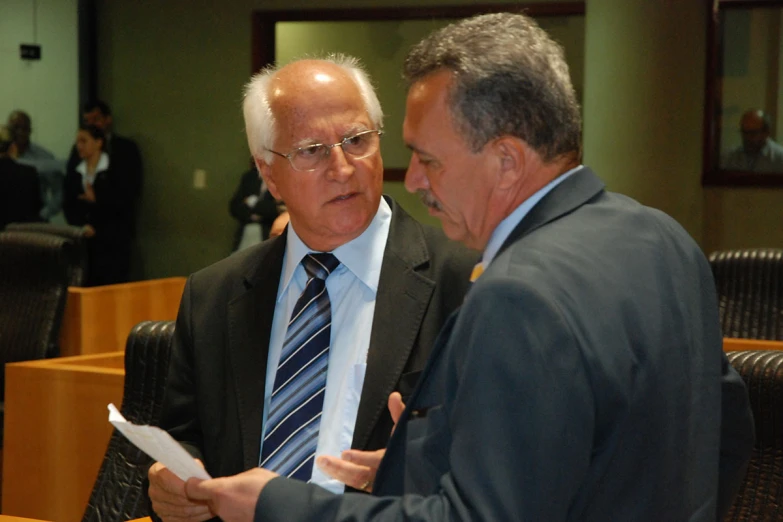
[
  {"x": 117, "y": 494},
  {"x": 750, "y": 292},
  {"x": 75, "y": 234},
  {"x": 760, "y": 498},
  {"x": 33, "y": 290}
]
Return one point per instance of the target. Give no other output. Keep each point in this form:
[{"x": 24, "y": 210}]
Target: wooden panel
[
  {"x": 56, "y": 432},
  {"x": 99, "y": 319},
  {"x": 735, "y": 345}
]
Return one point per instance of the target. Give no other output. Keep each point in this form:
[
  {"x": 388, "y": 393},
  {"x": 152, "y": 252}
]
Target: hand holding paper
[{"x": 159, "y": 445}]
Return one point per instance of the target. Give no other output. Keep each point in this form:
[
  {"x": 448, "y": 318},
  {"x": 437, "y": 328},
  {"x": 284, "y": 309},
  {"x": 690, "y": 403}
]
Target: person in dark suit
[
  {"x": 98, "y": 196},
  {"x": 123, "y": 154},
  {"x": 583, "y": 378},
  {"x": 396, "y": 283},
  {"x": 20, "y": 196},
  {"x": 252, "y": 205}
]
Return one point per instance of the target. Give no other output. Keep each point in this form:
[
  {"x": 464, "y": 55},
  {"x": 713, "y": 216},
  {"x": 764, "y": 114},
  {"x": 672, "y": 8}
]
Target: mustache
[{"x": 428, "y": 199}]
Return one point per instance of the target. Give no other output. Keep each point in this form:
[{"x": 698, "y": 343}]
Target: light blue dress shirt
[
  {"x": 504, "y": 229},
  {"x": 352, "y": 290}
]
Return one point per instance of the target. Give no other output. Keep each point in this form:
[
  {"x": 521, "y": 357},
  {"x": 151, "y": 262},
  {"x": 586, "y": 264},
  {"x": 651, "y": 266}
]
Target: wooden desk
[
  {"x": 735, "y": 345},
  {"x": 56, "y": 432},
  {"x": 99, "y": 319}
]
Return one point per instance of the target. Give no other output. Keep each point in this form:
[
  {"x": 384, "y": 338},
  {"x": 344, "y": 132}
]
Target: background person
[
  {"x": 51, "y": 171},
  {"x": 97, "y": 196},
  {"x": 20, "y": 197},
  {"x": 758, "y": 152}
]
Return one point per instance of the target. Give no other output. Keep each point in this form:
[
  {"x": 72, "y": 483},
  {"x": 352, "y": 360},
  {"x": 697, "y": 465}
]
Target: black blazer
[
  {"x": 265, "y": 207},
  {"x": 583, "y": 379},
  {"x": 112, "y": 213},
  {"x": 20, "y": 195},
  {"x": 124, "y": 159},
  {"x": 215, "y": 389}
]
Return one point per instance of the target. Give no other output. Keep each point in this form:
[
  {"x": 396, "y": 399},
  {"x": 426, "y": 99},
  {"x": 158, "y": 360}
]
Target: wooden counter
[
  {"x": 56, "y": 432},
  {"x": 99, "y": 319}
]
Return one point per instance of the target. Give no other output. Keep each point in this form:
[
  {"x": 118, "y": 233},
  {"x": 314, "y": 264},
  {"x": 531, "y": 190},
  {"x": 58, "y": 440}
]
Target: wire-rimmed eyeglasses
[{"x": 313, "y": 156}]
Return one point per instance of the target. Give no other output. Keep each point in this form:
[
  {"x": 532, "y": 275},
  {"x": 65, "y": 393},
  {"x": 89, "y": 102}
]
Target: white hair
[{"x": 260, "y": 124}]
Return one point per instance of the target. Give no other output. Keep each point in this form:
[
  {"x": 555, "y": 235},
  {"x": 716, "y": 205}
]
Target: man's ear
[
  {"x": 265, "y": 172},
  {"x": 512, "y": 154}
]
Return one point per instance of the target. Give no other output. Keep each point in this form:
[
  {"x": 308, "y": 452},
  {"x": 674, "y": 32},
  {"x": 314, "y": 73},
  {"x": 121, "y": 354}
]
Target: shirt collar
[
  {"x": 504, "y": 229},
  {"x": 103, "y": 164},
  {"x": 362, "y": 256}
]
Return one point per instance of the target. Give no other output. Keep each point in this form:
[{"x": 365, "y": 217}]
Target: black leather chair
[
  {"x": 118, "y": 491},
  {"x": 760, "y": 498},
  {"x": 750, "y": 292},
  {"x": 77, "y": 237},
  {"x": 34, "y": 273}
]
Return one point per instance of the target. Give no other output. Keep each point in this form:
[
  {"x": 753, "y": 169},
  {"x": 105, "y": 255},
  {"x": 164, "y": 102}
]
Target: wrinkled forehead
[{"x": 328, "y": 103}]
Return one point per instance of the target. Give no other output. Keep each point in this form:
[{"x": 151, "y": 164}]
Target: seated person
[{"x": 758, "y": 152}]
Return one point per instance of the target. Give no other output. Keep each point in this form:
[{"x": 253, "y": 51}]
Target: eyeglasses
[{"x": 313, "y": 157}]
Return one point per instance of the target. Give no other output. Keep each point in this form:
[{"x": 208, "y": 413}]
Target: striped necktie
[{"x": 294, "y": 416}]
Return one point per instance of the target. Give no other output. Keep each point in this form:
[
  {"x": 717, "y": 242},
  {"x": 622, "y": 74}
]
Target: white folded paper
[{"x": 159, "y": 445}]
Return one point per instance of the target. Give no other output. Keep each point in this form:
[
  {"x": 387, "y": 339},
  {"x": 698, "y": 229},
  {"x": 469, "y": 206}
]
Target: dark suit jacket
[
  {"x": 20, "y": 196},
  {"x": 215, "y": 389},
  {"x": 125, "y": 159},
  {"x": 113, "y": 217},
  {"x": 265, "y": 207},
  {"x": 583, "y": 379}
]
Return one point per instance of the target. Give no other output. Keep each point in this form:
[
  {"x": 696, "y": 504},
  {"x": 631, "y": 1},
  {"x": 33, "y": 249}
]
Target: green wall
[{"x": 174, "y": 71}]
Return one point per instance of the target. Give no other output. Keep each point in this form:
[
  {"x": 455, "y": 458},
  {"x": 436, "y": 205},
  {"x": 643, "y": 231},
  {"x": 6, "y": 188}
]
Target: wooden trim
[{"x": 736, "y": 345}]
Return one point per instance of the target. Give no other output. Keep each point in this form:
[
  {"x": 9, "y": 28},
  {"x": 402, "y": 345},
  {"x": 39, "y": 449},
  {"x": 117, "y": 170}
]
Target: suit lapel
[
  {"x": 250, "y": 325},
  {"x": 573, "y": 192},
  {"x": 400, "y": 305}
]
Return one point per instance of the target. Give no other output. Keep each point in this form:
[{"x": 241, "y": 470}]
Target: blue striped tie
[{"x": 294, "y": 416}]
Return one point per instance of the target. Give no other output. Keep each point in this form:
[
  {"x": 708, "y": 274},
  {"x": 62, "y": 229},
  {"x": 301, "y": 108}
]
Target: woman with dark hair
[{"x": 96, "y": 197}]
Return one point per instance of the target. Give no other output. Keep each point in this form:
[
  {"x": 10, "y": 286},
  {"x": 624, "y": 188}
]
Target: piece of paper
[{"x": 159, "y": 445}]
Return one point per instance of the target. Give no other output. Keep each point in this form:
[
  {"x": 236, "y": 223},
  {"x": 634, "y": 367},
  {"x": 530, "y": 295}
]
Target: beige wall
[
  {"x": 174, "y": 70},
  {"x": 47, "y": 89}
]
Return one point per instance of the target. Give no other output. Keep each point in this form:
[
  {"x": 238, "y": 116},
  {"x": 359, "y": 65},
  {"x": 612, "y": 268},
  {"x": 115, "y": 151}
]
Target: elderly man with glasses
[{"x": 290, "y": 349}]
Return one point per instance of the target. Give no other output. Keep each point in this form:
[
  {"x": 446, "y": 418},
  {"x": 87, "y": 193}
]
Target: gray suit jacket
[
  {"x": 215, "y": 389},
  {"x": 583, "y": 379}
]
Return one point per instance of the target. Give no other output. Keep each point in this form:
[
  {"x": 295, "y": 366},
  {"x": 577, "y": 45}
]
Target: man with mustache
[{"x": 583, "y": 378}]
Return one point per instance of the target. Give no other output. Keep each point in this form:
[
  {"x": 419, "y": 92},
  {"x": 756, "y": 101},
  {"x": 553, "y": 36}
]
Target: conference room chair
[
  {"x": 75, "y": 234},
  {"x": 760, "y": 498},
  {"x": 117, "y": 494},
  {"x": 34, "y": 273},
  {"x": 750, "y": 292}
]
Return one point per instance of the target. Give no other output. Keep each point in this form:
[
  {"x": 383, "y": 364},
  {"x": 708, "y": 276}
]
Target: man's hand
[
  {"x": 233, "y": 499},
  {"x": 356, "y": 468},
  {"x": 169, "y": 501},
  {"x": 88, "y": 195}
]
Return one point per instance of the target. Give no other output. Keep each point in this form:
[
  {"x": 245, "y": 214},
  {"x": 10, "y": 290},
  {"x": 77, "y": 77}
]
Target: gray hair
[
  {"x": 260, "y": 124},
  {"x": 510, "y": 78}
]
